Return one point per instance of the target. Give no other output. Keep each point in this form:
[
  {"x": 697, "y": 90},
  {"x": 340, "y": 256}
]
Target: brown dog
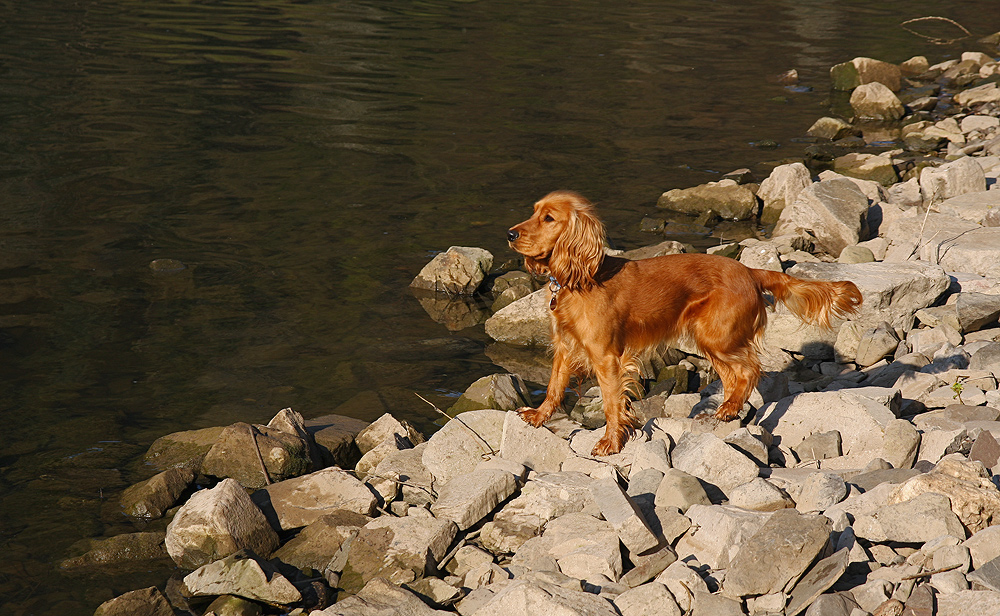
[{"x": 605, "y": 310}]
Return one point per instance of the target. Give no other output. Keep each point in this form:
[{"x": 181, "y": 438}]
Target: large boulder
[
  {"x": 184, "y": 449},
  {"x": 778, "y": 553},
  {"x": 458, "y": 271},
  {"x": 891, "y": 292},
  {"x": 861, "y": 419},
  {"x": 545, "y": 497},
  {"x": 399, "y": 549},
  {"x": 859, "y": 71},
  {"x": 235, "y": 455},
  {"x": 874, "y": 101},
  {"x": 147, "y": 602},
  {"x": 218, "y": 522},
  {"x": 460, "y": 445},
  {"x": 505, "y": 392},
  {"x": 714, "y": 461},
  {"x": 952, "y": 179},
  {"x": 974, "y": 498},
  {"x": 150, "y": 499},
  {"x": 244, "y": 575},
  {"x": 467, "y": 499},
  {"x": 781, "y": 188},
  {"x": 525, "y": 322},
  {"x": 728, "y": 199},
  {"x": 380, "y": 597},
  {"x": 834, "y": 212},
  {"x": 528, "y": 597},
  {"x": 980, "y": 207},
  {"x": 297, "y": 502},
  {"x": 582, "y": 546},
  {"x": 718, "y": 532},
  {"x": 315, "y": 544}
]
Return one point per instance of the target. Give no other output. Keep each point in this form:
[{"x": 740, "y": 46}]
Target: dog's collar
[{"x": 554, "y": 288}]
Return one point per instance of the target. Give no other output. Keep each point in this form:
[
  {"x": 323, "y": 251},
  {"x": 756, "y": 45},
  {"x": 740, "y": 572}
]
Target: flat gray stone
[
  {"x": 624, "y": 515},
  {"x": 467, "y": 499},
  {"x": 778, "y": 553},
  {"x": 816, "y": 581}
]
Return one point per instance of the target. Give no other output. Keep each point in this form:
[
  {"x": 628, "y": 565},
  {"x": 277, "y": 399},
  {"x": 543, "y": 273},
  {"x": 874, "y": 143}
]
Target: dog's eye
[{"x": 548, "y": 218}]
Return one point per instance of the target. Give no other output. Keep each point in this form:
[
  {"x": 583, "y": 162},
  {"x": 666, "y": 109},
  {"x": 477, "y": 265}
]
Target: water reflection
[{"x": 303, "y": 160}]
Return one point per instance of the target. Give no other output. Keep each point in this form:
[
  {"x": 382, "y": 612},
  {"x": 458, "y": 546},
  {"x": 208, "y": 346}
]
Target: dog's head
[{"x": 563, "y": 239}]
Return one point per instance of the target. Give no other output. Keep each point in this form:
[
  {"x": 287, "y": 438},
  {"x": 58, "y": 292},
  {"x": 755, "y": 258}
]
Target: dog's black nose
[{"x": 512, "y": 235}]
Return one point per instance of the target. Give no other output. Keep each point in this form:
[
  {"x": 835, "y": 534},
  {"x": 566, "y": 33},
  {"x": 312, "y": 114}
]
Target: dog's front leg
[{"x": 558, "y": 382}]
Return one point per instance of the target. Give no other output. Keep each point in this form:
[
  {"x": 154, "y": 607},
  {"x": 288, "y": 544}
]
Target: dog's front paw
[
  {"x": 606, "y": 446},
  {"x": 728, "y": 411},
  {"x": 533, "y": 417}
]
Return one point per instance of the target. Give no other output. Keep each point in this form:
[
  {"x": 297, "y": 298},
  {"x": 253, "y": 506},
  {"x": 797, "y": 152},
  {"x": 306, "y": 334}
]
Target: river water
[{"x": 303, "y": 160}]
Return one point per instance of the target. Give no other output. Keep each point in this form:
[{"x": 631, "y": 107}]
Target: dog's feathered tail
[{"x": 816, "y": 302}]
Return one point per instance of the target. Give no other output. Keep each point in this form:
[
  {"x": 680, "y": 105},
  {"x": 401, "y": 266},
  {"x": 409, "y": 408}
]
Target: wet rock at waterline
[{"x": 458, "y": 271}]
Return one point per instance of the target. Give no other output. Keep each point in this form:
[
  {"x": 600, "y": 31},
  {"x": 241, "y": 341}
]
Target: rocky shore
[{"x": 861, "y": 479}]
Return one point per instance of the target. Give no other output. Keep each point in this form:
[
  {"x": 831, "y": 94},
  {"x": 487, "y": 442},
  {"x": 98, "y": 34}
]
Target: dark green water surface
[{"x": 304, "y": 160}]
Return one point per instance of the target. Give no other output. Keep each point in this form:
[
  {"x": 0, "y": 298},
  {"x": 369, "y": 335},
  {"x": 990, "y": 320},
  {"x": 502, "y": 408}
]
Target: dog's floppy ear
[{"x": 579, "y": 250}]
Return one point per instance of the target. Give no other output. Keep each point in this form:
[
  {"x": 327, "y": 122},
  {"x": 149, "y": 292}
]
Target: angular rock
[
  {"x": 828, "y": 128},
  {"x": 973, "y": 497},
  {"x": 624, "y": 515},
  {"x": 242, "y": 574},
  {"x": 184, "y": 449},
  {"x": 819, "y": 446},
  {"x": 406, "y": 469},
  {"x": 820, "y": 491},
  {"x": 647, "y": 599},
  {"x": 892, "y": 292},
  {"x": 760, "y": 255},
  {"x": 718, "y": 532},
  {"x": 969, "y": 603},
  {"x": 461, "y": 444},
  {"x": 861, "y": 70},
  {"x": 759, "y": 495},
  {"x": 526, "y": 597},
  {"x": 874, "y": 101},
  {"x": 834, "y": 212},
  {"x": 297, "y": 502},
  {"x": 681, "y": 490},
  {"x": 817, "y": 580},
  {"x": 234, "y": 455},
  {"x": 458, "y": 271},
  {"x": 505, "y": 392},
  {"x": 712, "y": 460},
  {"x": 730, "y": 200},
  {"x": 867, "y": 167},
  {"x": 777, "y": 554},
  {"x": 875, "y": 344},
  {"x": 536, "y": 448},
  {"x": 781, "y": 188},
  {"x": 399, "y": 549},
  {"x": 583, "y": 547},
  {"x": 316, "y": 544},
  {"x": 218, "y": 522},
  {"x": 920, "y": 519},
  {"x": 150, "y": 499},
  {"x": 546, "y": 497},
  {"x": 467, "y": 499},
  {"x": 334, "y": 437},
  {"x": 861, "y": 421},
  {"x": 525, "y": 322},
  {"x": 387, "y": 427},
  {"x": 126, "y": 550},
  {"x": 902, "y": 442},
  {"x": 147, "y": 602},
  {"x": 975, "y": 207},
  {"x": 951, "y": 180},
  {"x": 987, "y": 358},
  {"x": 380, "y": 597}
]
